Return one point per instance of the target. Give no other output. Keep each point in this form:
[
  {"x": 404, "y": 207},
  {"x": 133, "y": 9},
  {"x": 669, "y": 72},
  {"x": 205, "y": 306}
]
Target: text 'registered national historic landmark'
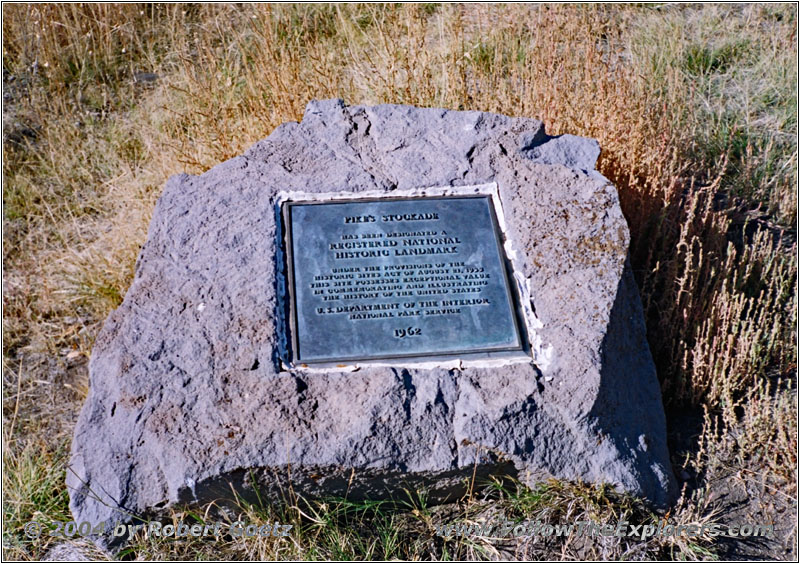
[{"x": 374, "y": 299}]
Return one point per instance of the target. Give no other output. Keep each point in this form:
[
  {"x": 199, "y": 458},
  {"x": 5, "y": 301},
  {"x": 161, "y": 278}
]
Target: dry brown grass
[{"x": 695, "y": 108}]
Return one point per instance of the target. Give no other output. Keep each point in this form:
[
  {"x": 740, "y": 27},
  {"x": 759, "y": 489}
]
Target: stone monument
[{"x": 375, "y": 298}]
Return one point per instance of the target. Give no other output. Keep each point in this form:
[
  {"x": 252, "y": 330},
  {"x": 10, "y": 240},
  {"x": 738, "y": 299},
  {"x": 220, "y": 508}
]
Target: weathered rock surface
[{"x": 187, "y": 399}]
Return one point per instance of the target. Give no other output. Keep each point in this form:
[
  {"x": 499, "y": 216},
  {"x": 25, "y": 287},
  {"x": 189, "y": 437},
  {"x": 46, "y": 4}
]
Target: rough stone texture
[{"x": 186, "y": 400}]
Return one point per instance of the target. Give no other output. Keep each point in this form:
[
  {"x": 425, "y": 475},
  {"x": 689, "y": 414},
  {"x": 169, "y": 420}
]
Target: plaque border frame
[{"x": 294, "y": 356}]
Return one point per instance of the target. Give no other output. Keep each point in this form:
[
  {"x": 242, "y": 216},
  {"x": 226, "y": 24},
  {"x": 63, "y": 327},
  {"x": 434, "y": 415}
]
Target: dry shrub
[
  {"x": 720, "y": 298},
  {"x": 755, "y": 435}
]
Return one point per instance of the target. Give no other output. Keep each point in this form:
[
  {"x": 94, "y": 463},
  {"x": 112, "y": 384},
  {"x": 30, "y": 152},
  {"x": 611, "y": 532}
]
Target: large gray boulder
[{"x": 189, "y": 398}]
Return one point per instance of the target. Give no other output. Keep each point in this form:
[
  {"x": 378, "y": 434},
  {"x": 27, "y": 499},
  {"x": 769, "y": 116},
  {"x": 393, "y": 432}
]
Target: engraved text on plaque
[{"x": 390, "y": 278}]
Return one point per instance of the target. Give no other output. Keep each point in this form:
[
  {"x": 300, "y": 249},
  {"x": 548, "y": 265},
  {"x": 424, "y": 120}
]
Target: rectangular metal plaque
[{"x": 393, "y": 278}]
